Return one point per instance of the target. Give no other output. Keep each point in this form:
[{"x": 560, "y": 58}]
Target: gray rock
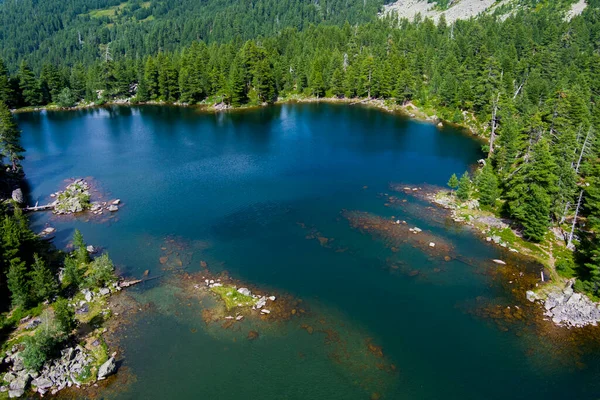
[
  {"x": 104, "y": 291},
  {"x": 113, "y": 208},
  {"x": 14, "y": 393},
  {"x": 245, "y": 291},
  {"x": 20, "y": 383},
  {"x": 18, "y": 364},
  {"x": 108, "y": 368},
  {"x": 42, "y": 383},
  {"x": 33, "y": 323},
  {"x": 17, "y": 195},
  {"x": 9, "y": 377},
  {"x": 3, "y": 389}
]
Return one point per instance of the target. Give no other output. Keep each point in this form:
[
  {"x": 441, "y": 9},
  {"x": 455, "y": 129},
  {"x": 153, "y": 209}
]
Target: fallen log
[{"x": 40, "y": 208}]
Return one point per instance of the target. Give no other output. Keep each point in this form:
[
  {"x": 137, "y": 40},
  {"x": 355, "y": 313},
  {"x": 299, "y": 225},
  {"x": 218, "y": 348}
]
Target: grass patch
[{"x": 233, "y": 298}]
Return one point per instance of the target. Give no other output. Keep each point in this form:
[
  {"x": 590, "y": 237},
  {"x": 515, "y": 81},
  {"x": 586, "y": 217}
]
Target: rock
[
  {"x": 20, "y": 383},
  {"x": 265, "y": 311},
  {"x": 104, "y": 291},
  {"x": 9, "y": 377},
  {"x": 49, "y": 230},
  {"x": 90, "y": 249},
  {"x": 88, "y": 295},
  {"x": 261, "y": 302},
  {"x": 108, "y": 368},
  {"x": 33, "y": 323},
  {"x": 17, "y": 195},
  {"x": 18, "y": 364},
  {"x": 272, "y": 298},
  {"x": 431, "y": 244},
  {"x": 12, "y": 393},
  {"x": 113, "y": 208},
  {"x": 84, "y": 309},
  {"x": 531, "y": 296},
  {"x": 239, "y": 317},
  {"x": 42, "y": 383},
  {"x": 499, "y": 262},
  {"x": 116, "y": 202},
  {"x": 244, "y": 291},
  {"x": 3, "y": 389},
  {"x": 440, "y": 125}
]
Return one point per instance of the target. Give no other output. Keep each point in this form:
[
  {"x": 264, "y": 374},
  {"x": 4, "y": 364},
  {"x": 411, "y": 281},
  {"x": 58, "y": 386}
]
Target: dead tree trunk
[
  {"x": 583, "y": 149},
  {"x": 493, "y": 134},
  {"x": 570, "y": 241}
]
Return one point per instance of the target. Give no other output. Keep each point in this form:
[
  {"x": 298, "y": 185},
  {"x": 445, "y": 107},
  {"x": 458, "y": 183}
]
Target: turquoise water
[{"x": 248, "y": 192}]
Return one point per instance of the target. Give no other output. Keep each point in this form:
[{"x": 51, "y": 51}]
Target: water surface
[{"x": 249, "y": 192}]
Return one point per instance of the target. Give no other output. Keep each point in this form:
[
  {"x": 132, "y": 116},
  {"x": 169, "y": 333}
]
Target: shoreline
[
  {"x": 554, "y": 294},
  {"x": 408, "y": 110}
]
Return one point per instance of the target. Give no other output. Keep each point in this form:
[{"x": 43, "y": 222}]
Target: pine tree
[
  {"x": 529, "y": 199},
  {"x": 237, "y": 83},
  {"x": 464, "y": 187},
  {"x": 18, "y": 283},
  {"x": 6, "y": 95},
  {"x": 43, "y": 282},
  {"x": 29, "y": 86},
  {"x": 81, "y": 254},
  {"x": 65, "y": 316},
  {"x": 487, "y": 183},
  {"x": 453, "y": 182},
  {"x": 77, "y": 81},
  {"x": 10, "y": 137}
]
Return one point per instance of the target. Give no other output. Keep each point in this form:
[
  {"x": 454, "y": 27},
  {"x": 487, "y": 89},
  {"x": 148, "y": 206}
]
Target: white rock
[
  {"x": 499, "y": 262},
  {"x": 431, "y": 244},
  {"x": 245, "y": 291},
  {"x": 265, "y": 311},
  {"x": 272, "y": 298}
]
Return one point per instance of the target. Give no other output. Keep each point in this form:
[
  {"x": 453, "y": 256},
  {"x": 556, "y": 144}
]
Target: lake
[{"x": 290, "y": 199}]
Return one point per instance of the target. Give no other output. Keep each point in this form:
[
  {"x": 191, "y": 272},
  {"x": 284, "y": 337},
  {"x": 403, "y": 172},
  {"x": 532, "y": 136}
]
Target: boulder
[
  {"x": 42, "y": 383},
  {"x": 108, "y": 368},
  {"x": 17, "y": 195},
  {"x": 14, "y": 393},
  {"x": 244, "y": 291},
  {"x": 90, "y": 249},
  {"x": 104, "y": 291},
  {"x": 9, "y": 377},
  {"x": 113, "y": 208}
]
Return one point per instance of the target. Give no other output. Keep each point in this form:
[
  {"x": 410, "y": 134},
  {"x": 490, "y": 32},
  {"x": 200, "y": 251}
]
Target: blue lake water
[{"x": 251, "y": 192}]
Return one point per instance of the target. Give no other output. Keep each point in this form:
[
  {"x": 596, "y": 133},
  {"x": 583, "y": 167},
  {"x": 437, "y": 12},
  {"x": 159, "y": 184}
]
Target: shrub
[
  {"x": 101, "y": 272},
  {"x": 64, "y": 315}
]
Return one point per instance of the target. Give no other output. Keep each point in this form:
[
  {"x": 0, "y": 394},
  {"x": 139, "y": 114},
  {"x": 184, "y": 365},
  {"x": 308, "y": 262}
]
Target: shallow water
[{"x": 266, "y": 195}]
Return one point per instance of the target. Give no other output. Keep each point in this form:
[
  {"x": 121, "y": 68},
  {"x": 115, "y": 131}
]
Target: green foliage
[
  {"x": 453, "y": 182},
  {"x": 64, "y": 315},
  {"x": 101, "y": 272},
  {"x": 66, "y": 98},
  {"x": 10, "y": 135},
  {"x": 487, "y": 183},
  {"x": 43, "y": 281},
  {"x": 464, "y": 187},
  {"x": 18, "y": 283}
]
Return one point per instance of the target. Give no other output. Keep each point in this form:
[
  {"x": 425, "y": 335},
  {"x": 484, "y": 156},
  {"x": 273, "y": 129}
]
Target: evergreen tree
[
  {"x": 18, "y": 283},
  {"x": 464, "y": 187},
  {"x": 29, "y": 86},
  {"x": 43, "y": 282},
  {"x": 65, "y": 316},
  {"x": 453, "y": 182},
  {"x": 10, "y": 138},
  {"x": 6, "y": 95},
  {"x": 487, "y": 183}
]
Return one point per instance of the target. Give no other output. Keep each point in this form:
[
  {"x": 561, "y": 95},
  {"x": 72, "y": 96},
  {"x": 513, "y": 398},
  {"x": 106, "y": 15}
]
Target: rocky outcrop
[
  {"x": 75, "y": 198},
  {"x": 108, "y": 368},
  {"x": 567, "y": 308}
]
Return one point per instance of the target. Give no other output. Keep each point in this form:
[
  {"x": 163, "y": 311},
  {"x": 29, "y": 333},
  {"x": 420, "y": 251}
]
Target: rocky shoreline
[
  {"x": 561, "y": 305},
  {"x": 565, "y": 307}
]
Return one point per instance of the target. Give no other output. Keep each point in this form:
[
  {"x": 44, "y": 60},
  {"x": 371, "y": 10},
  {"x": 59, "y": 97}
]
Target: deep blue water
[{"x": 235, "y": 187}]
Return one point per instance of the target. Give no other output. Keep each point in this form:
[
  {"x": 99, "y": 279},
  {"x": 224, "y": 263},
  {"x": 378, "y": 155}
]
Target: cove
[{"x": 271, "y": 196}]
